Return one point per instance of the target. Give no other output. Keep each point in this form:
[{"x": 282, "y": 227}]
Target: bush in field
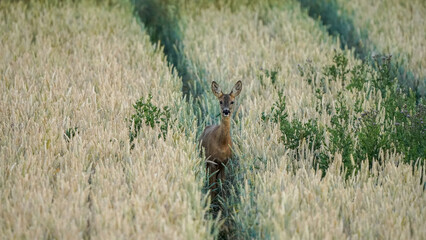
[
  {"x": 150, "y": 115},
  {"x": 358, "y": 138},
  {"x": 294, "y": 131},
  {"x": 403, "y": 128}
]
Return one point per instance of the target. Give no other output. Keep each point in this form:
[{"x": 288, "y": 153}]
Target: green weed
[
  {"x": 363, "y": 138},
  {"x": 150, "y": 115},
  {"x": 70, "y": 133},
  {"x": 294, "y": 132}
]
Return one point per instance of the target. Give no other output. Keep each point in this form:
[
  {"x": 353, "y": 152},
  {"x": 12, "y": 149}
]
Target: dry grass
[
  {"x": 66, "y": 65},
  {"x": 386, "y": 203}
]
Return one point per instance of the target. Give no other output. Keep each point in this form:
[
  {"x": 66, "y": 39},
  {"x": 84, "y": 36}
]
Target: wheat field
[
  {"x": 71, "y": 72},
  {"x": 83, "y": 65}
]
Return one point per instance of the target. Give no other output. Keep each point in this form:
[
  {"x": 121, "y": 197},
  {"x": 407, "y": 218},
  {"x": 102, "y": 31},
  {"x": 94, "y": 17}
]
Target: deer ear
[
  {"x": 236, "y": 89},
  {"x": 216, "y": 90}
]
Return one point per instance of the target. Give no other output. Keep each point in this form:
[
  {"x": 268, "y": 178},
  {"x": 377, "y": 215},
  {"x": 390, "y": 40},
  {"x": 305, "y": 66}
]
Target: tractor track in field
[
  {"x": 162, "y": 25},
  {"x": 340, "y": 25},
  {"x": 87, "y": 234}
]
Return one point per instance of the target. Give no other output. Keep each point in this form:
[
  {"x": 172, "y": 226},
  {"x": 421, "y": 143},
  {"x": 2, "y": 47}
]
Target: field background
[{"x": 76, "y": 79}]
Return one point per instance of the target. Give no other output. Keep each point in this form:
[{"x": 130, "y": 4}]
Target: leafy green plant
[
  {"x": 339, "y": 69},
  {"x": 268, "y": 74},
  {"x": 408, "y": 133},
  {"x": 294, "y": 132},
  {"x": 150, "y": 115},
  {"x": 70, "y": 133},
  {"x": 404, "y": 113},
  {"x": 340, "y": 137},
  {"x": 370, "y": 137}
]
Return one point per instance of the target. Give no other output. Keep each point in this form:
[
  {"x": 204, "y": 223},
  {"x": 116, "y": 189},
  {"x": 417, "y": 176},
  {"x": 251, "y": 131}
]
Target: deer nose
[{"x": 226, "y": 111}]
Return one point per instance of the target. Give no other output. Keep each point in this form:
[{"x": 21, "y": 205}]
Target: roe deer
[{"x": 216, "y": 139}]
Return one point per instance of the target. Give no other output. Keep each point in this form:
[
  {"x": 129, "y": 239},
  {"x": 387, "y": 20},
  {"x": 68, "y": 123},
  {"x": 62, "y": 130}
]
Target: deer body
[
  {"x": 216, "y": 139},
  {"x": 217, "y": 142}
]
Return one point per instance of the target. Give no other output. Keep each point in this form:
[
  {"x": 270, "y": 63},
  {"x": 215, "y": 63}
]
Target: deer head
[{"x": 226, "y": 100}]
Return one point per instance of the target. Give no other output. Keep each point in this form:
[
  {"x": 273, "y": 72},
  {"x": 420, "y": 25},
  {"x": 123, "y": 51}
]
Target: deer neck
[{"x": 225, "y": 131}]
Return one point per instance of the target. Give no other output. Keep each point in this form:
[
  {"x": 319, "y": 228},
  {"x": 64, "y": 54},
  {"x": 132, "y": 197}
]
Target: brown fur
[{"x": 216, "y": 139}]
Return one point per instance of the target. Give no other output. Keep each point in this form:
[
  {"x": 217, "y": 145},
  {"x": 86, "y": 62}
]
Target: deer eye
[
  {"x": 232, "y": 102},
  {"x": 221, "y": 102}
]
